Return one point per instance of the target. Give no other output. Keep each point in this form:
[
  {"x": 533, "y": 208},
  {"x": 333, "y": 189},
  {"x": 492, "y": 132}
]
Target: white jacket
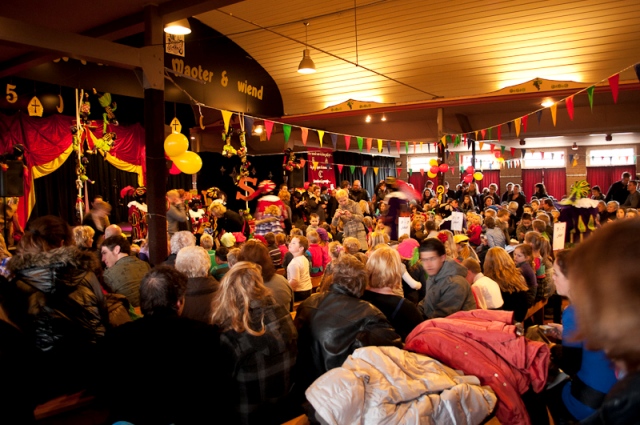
[{"x": 387, "y": 385}]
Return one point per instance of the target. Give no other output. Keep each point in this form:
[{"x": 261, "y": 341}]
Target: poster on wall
[{"x": 320, "y": 169}]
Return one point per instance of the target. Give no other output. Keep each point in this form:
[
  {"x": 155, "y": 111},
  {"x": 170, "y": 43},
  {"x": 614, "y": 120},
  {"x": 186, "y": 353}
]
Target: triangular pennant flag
[
  {"x": 502, "y": 151},
  {"x": 398, "y": 146},
  {"x": 443, "y": 139},
  {"x": 554, "y": 112},
  {"x": 422, "y": 171},
  {"x": 499, "y": 132},
  {"x": 457, "y": 141},
  {"x": 334, "y": 140},
  {"x": 464, "y": 138},
  {"x": 268, "y": 126},
  {"x": 523, "y": 153},
  {"x": 375, "y": 170},
  {"x": 513, "y": 152},
  {"x": 226, "y": 117},
  {"x": 347, "y": 141},
  {"x": 286, "y": 129},
  {"x": 398, "y": 171},
  {"x": 509, "y": 126},
  {"x": 369, "y": 140},
  {"x": 352, "y": 168},
  {"x": 320, "y": 136},
  {"x": 315, "y": 165},
  {"x": 489, "y": 133},
  {"x": 480, "y": 144},
  {"x": 614, "y": 81},
  {"x": 457, "y": 158},
  {"x": 428, "y": 146},
  {"x": 414, "y": 147},
  {"x": 388, "y": 147},
  {"x": 517, "y": 122},
  {"x": 364, "y": 170},
  {"x": 541, "y": 154},
  {"x": 539, "y": 115},
  {"x": 248, "y": 124},
  {"x": 492, "y": 147},
  {"x": 552, "y": 155},
  {"x": 305, "y": 133},
  {"x": 406, "y": 148},
  {"x": 483, "y": 132},
  {"x": 569, "y": 102},
  {"x": 637, "y": 69},
  {"x": 525, "y": 119},
  {"x": 380, "y": 145},
  {"x": 360, "y": 139},
  {"x": 409, "y": 171},
  {"x": 340, "y": 168},
  {"x": 590, "y": 91},
  {"x": 421, "y": 147}
]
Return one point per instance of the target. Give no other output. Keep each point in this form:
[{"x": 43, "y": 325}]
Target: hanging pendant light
[
  {"x": 180, "y": 27},
  {"x": 306, "y": 64}
]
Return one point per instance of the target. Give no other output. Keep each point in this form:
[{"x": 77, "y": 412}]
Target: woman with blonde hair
[
  {"x": 353, "y": 246},
  {"x": 384, "y": 271},
  {"x": 83, "y": 237},
  {"x": 261, "y": 338},
  {"x": 335, "y": 249},
  {"x": 376, "y": 238},
  {"x": 446, "y": 237},
  {"x": 350, "y": 214},
  {"x": 499, "y": 266}
]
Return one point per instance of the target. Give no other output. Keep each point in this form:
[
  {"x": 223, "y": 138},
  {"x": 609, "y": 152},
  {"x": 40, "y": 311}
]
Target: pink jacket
[
  {"x": 319, "y": 258},
  {"x": 484, "y": 343}
]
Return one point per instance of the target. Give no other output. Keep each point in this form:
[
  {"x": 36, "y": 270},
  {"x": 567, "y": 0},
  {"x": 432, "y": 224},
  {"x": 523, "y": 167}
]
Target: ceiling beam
[{"x": 180, "y": 9}]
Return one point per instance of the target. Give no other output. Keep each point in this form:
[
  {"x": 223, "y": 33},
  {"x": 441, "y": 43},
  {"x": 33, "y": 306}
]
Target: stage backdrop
[{"x": 320, "y": 167}]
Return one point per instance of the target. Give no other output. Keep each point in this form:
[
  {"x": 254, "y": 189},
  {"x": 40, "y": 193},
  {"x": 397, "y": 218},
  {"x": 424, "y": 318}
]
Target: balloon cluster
[
  {"x": 436, "y": 168},
  {"x": 175, "y": 146},
  {"x": 472, "y": 175}
]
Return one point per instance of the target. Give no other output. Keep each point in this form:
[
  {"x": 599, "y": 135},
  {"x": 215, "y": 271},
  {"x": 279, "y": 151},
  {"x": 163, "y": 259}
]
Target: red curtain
[
  {"x": 555, "y": 180},
  {"x": 529, "y": 180},
  {"x": 418, "y": 180},
  {"x": 490, "y": 176},
  {"x": 605, "y": 176}
]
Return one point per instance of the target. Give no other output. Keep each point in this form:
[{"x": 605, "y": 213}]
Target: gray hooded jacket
[{"x": 448, "y": 292}]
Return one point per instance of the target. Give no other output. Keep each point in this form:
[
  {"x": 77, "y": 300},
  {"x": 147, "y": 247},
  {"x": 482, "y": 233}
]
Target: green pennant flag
[
  {"x": 352, "y": 168},
  {"x": 489, "y": 133},
  {"x": 502, "y": 151},
  {"x": 409, "y": 171},
  {"x": 286, "y": 129},
  {"x": 590, "y": 91},
  {"x": 360, "y": 143},
  {"x": 457, "y": 158},
  {"x": 457, "y": 141},
  {"x": 406, "y": 147}
]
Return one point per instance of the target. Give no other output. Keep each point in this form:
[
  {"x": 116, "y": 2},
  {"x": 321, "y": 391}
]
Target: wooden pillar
[
  {"x": 153, "y": 76},
  {"x": 441, "y": 154}
]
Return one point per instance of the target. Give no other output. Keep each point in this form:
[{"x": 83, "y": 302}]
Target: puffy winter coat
[
  {"x": 448, "y": 292},
  {"x": 386, "y": 385}
]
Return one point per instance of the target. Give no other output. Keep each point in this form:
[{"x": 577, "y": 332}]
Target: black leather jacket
[
  {"x": 621, "y": 406},
  {"x": 331, "y": 325}
]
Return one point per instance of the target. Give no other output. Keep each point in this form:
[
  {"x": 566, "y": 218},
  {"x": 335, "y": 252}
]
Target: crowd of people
[{"x": 242, "y": 319}]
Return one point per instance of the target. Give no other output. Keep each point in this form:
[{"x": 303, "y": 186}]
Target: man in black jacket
[{"x": 618, "y": 190}]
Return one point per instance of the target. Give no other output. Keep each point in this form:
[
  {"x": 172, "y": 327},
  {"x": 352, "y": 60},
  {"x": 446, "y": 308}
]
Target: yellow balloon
[
  {"x": 433, "y": 162},
  {"x": 431, "y": 175},
  {"x": 176, "y": 144},
  {"x": 501, "y": 159},
  {"x": 189, "y": 162},
  {"x": 478, "y": 175}
]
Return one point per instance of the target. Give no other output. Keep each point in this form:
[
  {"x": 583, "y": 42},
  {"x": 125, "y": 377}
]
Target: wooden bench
[
  {"x": 78, "y": 408},
  {"x": 280, "y": 272},
  {"x": 315, "y": 283}
]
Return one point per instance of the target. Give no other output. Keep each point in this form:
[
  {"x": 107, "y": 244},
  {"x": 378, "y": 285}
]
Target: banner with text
[{"x": 320, "y": 166}]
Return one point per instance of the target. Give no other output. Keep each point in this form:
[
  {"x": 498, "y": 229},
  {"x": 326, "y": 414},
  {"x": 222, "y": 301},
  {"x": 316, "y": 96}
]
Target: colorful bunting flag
[
  {"x": 492, "y": 147},
  {"x": 388, "y": 147},
  {"x": 248, "y": 123},
  {"x": 360, "y": 140},
  {"x": 375, "y": 170},
  {"x": 523, "y": 153},
  {"x": 525, "y": 119},
  {"x": 268, "y": 126},
  {"x": 334, "y": 140},
  {"x": 480, "y": 144},
  {"x": 347, "y": 141},
  {"x": 226, "y": 117},
  {"x": 380, "y": 145},
  {"x": 484, "y": 133},
  {"x": 590, "y": 91},
  {"x": 513, "y": 152},
  {"x": 499, "y": 132},
  {"x": 314, "y": 165},
  {"x": 517, "y": 122},
  {"x": 368, "y": 140},
  {"x": 340, "y": 168},
  {"x": 406, "y": 148},
  {"x": 554, "y": 112},
  {"x": 352, "y": 168},
  {"x": 539, "y": 115},
  {"x": 320, "y": 136},
  {"x": 305, "y": 133},
  {"x": 286, "y": 130},
  {"x": 569, "y": 102},
  {"x": 398, "y": 171},
  {"x": 502, "y": 150},
  {"x": 398, "y": 146},
  {"x": 421, "y": 148},
  {"x": 364, "y": 170},
  {"x": 409, "y": 171},
  {"x": 422, "y": 171},
  {"x": 614, "y": 81}
]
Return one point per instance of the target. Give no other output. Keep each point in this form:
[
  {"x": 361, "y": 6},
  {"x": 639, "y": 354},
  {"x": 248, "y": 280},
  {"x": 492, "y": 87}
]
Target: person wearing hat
[
  {"x": 414, "y": 278},
  {"x": 464, "y": 251}
]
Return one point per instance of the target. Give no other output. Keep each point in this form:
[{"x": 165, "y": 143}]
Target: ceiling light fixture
[
  {"x": 368, "y": 119},
  {"x": 608, "y": 137},
  {"x": 306, "y": 64},
  {"x": 384, "y": 118},
  {"x": 522, "y": 142},
  {"x": 548, "y": 102},
  {"x": 574, "y": 147},
  {"x": 257, "y": 129},
  {"x": 180, "y": 27}
]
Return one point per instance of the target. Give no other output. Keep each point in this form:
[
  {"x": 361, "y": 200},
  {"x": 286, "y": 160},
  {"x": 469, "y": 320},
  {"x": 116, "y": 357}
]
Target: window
[
  {"x": 416, "y": 163},
  {"x": 606, "y": 157},
  {"x": 547, "y": 159},
  {"x": 484, "y": 161}
]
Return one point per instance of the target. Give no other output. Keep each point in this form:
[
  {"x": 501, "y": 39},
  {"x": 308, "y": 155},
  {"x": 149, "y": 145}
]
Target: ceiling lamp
[
  {"x": 384, "y": 118},
  {"x": 180, "y": 27},
  {"x": 306, "y": 64},
  {"x": 258, "y": 129},
  {"x": 368, "y": 119},
  {"x": 547, "y": 103},
  {"x": 574, "y": 147}
]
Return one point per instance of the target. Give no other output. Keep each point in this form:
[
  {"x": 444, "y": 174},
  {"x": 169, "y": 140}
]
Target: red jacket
[
  {"x": 319, "y": 259},
  {"x": 474, "y": 234},
  {"x": 484, "y": 343}
]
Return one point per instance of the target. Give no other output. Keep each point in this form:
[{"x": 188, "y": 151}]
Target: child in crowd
[
  {"x": 232, "y": 257},
  {"x": 524, "y": 226},
  {"x": 620, "y": 214},
  {"x": 334, "y": 249},
  {"x": 368, "y": 224},
  {"x": 540, "y": 248},
  {"x": 319, "y": 255},
  {"x": 417, "y": 231},
  {"x": 314, "y": 222},
  {"x": 274, "y": 250},
  {"x": 221, "y": 259},
  {"x": 281, "y": 240},
  {"x": 541, "y": 227},
  {"x": 475, "y": 230},
  {"x": 631, "y": 213},
  {"x": 523, "y": 257},
  {"x": 495, "y": 235},
  {"x": 352, "y": 246},
  {"x": 298, "y": 269}
]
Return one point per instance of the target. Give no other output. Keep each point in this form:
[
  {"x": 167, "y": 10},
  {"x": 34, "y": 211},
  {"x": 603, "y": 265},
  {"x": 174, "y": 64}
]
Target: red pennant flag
[
  {"x": 524, "y": 123},
  {"x": 499, "y": 132},
  {"x": 364, "y": 170},
  {"x": 398, "y": 145},
  {"x": 368, "y": 144},
  {"x": 422, "y": 171},
  {"x": 492, "y": 147},
  {"x": 414, "y": 147},
  {"x": 340, "y": 168},
  {"x": 569, "y": 102},
  {"x": 542, "y": 154},
  {"x": 305, "y": 133},
  {"x": 268, "y": 126},
  {"x": 513, "y": 152},
  {"x": 613, "y": 83},
  {"x": 464, "y": 141},
  {"x": 483, "y": 132},
  {"x": 399, "y": 170},
  {"x": 347, "y": 141}
]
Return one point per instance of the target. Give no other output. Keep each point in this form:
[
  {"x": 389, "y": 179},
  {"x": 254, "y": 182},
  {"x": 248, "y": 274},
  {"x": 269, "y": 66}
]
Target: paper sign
[
  {"x": 559, "y": 232},
  {"x": 404, "y": 226},
  {"x": 457, "y": 219}
]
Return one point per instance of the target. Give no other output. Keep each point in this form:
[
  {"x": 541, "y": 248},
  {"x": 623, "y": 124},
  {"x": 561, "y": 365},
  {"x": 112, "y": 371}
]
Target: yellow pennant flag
[
  {"x": 517, "y": 122},
  {"x": 226, "y": 117},
  {"x": 420, "y": 146},
  {"x": 554, "y": 112},
  {"x": 481, "y": 144},
  {"x": 320, "y": 136},
  {"x": 476, "y": 134},
  {"x": 315, "y": 165},
  {"x": 379, "y": 145},
  {"x": 375, "y": 170}
]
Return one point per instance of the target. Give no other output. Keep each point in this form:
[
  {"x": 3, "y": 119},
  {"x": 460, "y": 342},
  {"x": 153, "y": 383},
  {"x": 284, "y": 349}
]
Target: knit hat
[
  {"x": 228, "y": 240},
  {"x": 407, "y": 247},
  {"x": 324, "y": 236},
  {"x": 460, "y": 238}
]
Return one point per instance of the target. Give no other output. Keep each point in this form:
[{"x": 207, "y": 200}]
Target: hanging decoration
[{"x": 108, "y": 117}]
